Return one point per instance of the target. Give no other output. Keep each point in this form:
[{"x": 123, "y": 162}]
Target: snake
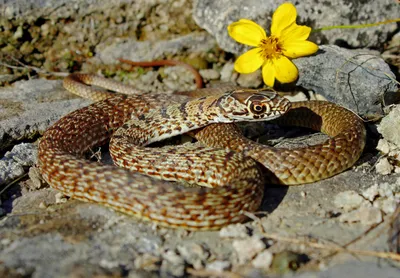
[{"x": 231, "y": 169}]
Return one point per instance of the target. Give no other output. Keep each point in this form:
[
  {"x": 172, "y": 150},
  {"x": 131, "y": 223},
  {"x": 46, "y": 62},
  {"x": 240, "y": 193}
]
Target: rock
[
  {"x": 176, "y": 78},
  {"x": 219, "y": 266},
  {"x": 150, "y": 50},
  {"x": 29, "y": 107},
  {"x": 209, "y": 74},
  {"x": 384, "y": 146},
  {"x": 382, "y": 190},
  {"x": 263, "y": 260},
  {"x": 384, "y": 167},
  {"x": 349, "y": 200},
  {"x": 247, "y": 249},
  {"x": 330, "y": 73},
  {"x": 214, "y": 16},
  {"x": 147, "y": 262},
  {"x": 250, "y": 80},
  {"x": 234, "y": 231},
  {"x": 13, "y": 163},
  {"x": 194, "y": 254},
  {"x": 173, "y": 264},
  {"x": 227, "y": 72},
  {"x": 386, "y": 126},
  {"x": 364, "y": 215},
  {"x": 387, "y": 205}
]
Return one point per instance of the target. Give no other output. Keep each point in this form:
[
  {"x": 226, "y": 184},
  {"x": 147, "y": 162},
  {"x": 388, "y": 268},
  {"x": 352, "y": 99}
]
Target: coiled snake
[{"x": 226, "y": 161}]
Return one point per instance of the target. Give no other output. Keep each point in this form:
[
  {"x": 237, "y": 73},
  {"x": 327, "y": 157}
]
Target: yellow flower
[{"x": 272, "y": 53}]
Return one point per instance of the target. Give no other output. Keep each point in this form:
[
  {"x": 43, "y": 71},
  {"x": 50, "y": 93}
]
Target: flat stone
[
  {"x": 13, "y": 163},
  {"x": 29, "y": 107}
]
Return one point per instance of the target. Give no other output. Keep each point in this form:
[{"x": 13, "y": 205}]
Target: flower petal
[
  {"x": 283, "y": 17},
  {"x": 295, "y": 32},
  {"x": 286, "y": 71},
  {"x": 247, "y": 32},
  {"x": 268, "y": 73},
  {"x": 249, "y": 61},
  {"x": 298, "y": 48}
]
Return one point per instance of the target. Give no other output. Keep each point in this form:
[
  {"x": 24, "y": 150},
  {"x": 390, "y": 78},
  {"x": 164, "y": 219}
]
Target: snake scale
[{"x": 226, "y": 162}]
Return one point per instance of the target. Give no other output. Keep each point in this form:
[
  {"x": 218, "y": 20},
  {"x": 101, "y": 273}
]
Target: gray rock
[
  {"x": 227, "y": 73},
  {"x": 215, "y": 16},
  {"x": 13, "y": 163},
  {"x": 250, "y": 80},
  {"x": 29, "y": 107},
  {"x": 356, "y": 79}
]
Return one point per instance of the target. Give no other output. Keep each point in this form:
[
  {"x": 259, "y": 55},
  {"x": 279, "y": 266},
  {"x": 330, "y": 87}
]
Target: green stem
[{"x": 356, "y": 26}]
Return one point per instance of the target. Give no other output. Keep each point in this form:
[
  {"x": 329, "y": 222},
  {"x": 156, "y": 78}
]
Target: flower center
[{"x": 270, "y": 48}]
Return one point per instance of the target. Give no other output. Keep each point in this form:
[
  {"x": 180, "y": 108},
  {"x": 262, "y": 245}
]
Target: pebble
[
  {"x": 349, "y": 200},
  {"x": 382, "y": 190},
  {"x": 384, "y": 167},
  {"x": 263, "y": 260},
  {"x": 194, "y": 254},
  {"x": 147, "y": 262},
  {"x": 227, "y": 72},
  {"x": 209, "y": 74},
  {"x": 219, "y": 266},
  {"x": 172, "y": 264},
  {"x": 384, "y": 146},
  {"x": 247, "y": 249},
  {"x": 386, "y": 126},
  {"x": 250, "y": 80},
  {"x": 234, "y": 231},
  {"x": 387, "y": 205},
  {"x": 60, "y": 198}
]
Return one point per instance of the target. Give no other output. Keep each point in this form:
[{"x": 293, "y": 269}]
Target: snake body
[{"x": 225, "y": 163}]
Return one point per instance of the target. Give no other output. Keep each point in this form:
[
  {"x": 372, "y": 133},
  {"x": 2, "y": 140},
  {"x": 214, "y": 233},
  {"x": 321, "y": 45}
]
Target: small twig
[{"x": 36, "y": 69}]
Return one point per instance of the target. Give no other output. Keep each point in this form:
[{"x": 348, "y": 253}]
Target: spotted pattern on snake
[{"x": 224, "y": 163}]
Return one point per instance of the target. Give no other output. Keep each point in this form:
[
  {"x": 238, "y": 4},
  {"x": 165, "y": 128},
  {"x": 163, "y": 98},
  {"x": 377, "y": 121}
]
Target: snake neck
[{"x": 173, "y": 120}]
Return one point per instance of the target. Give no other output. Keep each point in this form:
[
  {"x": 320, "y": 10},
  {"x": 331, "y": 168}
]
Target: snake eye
[{"x": 257, "y": 108}]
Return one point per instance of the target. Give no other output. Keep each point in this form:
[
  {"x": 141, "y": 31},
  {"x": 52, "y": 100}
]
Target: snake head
[{"x": 254, "y": 105}]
